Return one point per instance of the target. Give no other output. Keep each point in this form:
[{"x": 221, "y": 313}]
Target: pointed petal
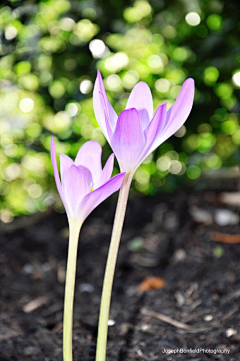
[
  {"x": 65, "y": 164},
  {"x": 128, "y": 139},
  {"x": 89, "y": 155},
  {"x": 177, "y": 114},
  {"x": 154, "y": 128},
  {"x": 106, "y": 172},
  {"x": 93, "y": 199},
  {"x": 103, "y": 110},
  {"x": 56, "y": 174},
  {"x": 141, "y": 99},
  {"x": 75, "y": 189},
  {"x": 180, "y": 110}
]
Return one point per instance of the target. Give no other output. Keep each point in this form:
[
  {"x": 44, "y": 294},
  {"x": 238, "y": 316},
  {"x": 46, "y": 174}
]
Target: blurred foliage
[{"x": 49, "y": 54}]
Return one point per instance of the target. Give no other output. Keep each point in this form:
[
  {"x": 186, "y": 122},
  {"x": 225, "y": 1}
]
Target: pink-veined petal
[
  {"x": 75, "y": 189},
  {"x": 56, "y": 174},
  {"x": 89, "y": 155},
  {"x": 103, "y": 110},
  {"x": 106, "y": 172},
  {"x": 93, "y": 199},
  {"x": 140, "y": 98},
  {"x": 178, "y": 113},
  {"x": 128, "y": 139},
  {"x": 65, "y": 164}
]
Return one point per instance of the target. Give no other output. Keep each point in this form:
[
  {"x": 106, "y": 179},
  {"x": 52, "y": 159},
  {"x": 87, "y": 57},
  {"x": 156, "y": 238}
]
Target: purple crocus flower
[
  {"x": 84, "y": 184},
  {"x": 136, "y": 132}
]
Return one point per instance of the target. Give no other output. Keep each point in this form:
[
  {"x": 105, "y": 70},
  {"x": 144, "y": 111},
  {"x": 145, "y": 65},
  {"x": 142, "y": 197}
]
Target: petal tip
[
  {"x": 190, "y": 81},
  {"x": 52, "y": 141},
  {"x": 99, "y": 75}
]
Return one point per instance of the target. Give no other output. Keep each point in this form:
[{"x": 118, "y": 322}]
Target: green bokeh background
[{"x": 49, "y": 54}]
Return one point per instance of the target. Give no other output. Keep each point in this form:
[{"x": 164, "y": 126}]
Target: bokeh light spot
[
  {"x": 10, "y": 32},
  {"x": 72, "y": 109},
  {"x": 193, "y": 18},
  {"x": 163, "y": 163},
  {"x": 214, "y": 22},
  {"x": 193, "y": 172},
  {"x": 116, "y": 62},
  {"x": 56, "y": 89},
  {"x": 162, "y": 85},
  {"x": 130, "y": 79},
  {"x": 211, "y": 75},
  {"x": 26, "y": 105},
  {"x": 236, "y": 79},
  {"x": 98, "y": 48},
  {"x": 113, "y": 81},
  {"x": 181, "y": 132},
  {"x": 67, "y": 24},
  {"x": 86, "y": 86},
  {"x": 35, "y": 191}
]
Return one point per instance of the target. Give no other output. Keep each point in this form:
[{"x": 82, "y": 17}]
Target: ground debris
[
  {"x": 226, "y": 238},
  {"x": 197, "y": 285},
  {"x": 151, "y": 283},
  {"x": 35, "y": 304},
  {"x": 172, "y": 322}
]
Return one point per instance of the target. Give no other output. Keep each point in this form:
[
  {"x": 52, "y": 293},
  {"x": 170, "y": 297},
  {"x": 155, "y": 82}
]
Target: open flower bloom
[
  {"x": 137, "y": 132},
  {"x": 84, "y": 184}
]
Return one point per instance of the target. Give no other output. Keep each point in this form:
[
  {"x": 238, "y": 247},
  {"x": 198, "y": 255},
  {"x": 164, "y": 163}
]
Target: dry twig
[{"x": 172, "y": 322}]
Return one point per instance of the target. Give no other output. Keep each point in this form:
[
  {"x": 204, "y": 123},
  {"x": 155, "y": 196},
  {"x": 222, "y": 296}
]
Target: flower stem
[
  {"x": 74, "y": 229},
  {"x": 110, "y": 269}
]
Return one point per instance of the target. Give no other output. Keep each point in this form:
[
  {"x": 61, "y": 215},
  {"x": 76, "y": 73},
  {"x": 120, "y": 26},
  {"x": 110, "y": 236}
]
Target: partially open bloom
[
  {"x": 137, "y": 132},
  {"x": 84, "y": 184}
]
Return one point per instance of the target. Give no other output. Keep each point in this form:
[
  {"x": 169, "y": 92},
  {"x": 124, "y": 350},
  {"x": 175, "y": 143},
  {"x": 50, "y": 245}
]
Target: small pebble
[
  {"x": 180, "y": 255},
  {"x": 208, "y": 318},
  {"x": 145, "y": 327},
  {"x": 124, "y": 328},
  {"x": 46, "y": 267},
  {"x": 61, "y": 274},
  {"x": 111, "y": 322},
  {"x": 135, "y": 244},
  {"x": 232, "y": 198},
  {"x": 180, "y": 298},
  {"x": 224, "y": 217},
  {"x": 86, "y": 287},
  {"x": 230, "y": 332},
  {"x": 31, "y": 350},
  {"x": 171, "y": 221},
  {"x": 28, "y": 268},
  {"x": 201, "y": 215}
]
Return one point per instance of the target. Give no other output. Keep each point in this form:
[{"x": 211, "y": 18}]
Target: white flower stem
[
  {"x": 74, "y": 229},
  {"x": 110, "y": 269}
]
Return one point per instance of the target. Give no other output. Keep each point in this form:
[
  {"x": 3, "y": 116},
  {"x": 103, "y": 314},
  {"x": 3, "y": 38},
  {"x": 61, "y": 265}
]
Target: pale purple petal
[
  {"x": 128, "y": 139},
  {"x": 65, "y": 164},
  {"x": 93, "y": 199},
  {"x": 141, "y": 99},
  {"x": 103, "y": 110},
  {"x": 106, "y": 172},
  {"x": 89, "y": 155},
  {"x": 75, "y": 188},
  {"x": 56, "y": 174},
  {"x": 88, "y": 176},
  {"x": 178, "y": 113},
  {"x": 154, "y": 128}
]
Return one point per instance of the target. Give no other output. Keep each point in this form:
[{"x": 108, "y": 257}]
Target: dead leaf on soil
[
  {"x": 226, "y": 238},
  {"x": 151, "y": 283}
]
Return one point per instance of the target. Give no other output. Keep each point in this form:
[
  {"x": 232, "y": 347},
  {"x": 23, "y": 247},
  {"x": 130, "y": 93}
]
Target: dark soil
[{"x": 166, "y": 236}]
